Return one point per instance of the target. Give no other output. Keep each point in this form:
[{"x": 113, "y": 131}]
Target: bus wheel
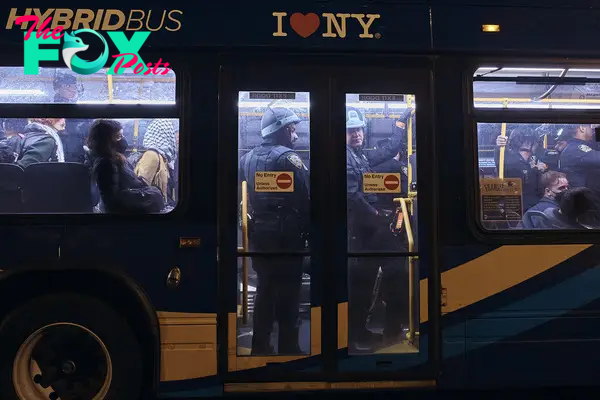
[{"x": 68, "y": 346}]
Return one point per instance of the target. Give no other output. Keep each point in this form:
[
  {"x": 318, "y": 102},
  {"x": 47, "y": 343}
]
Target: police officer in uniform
[
  {"x": 280, "y": 222},
  {"x": 369, "y": 230},
  {"x": 520, "y": 162},
  {"x": 580, "y": 160}
]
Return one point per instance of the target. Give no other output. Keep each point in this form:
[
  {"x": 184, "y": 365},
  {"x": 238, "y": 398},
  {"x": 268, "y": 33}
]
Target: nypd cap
[{"x": 354, "y": 119}]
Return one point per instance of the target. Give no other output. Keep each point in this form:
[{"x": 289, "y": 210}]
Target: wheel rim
[{"x": 62, "y": 361}]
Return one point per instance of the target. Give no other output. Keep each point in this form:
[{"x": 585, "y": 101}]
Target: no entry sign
[{"x": 381, "y": 183}]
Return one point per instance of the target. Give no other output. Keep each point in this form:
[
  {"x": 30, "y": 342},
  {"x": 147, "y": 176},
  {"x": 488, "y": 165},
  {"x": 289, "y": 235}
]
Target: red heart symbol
[{"x": 305, "y": 25}]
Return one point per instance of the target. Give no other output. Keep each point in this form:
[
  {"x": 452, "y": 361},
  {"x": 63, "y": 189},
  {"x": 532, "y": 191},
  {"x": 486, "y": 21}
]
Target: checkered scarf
[{"x": 160, "y": 137}]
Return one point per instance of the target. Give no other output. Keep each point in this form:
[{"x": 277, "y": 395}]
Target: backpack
[
  {"x": 10, "y": 148},
  {"x": 134, "y": 158}
]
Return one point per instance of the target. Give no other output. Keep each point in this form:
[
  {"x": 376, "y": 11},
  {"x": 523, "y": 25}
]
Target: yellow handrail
[
  {"x": 245, "y": 248},
  {"x": 409, "y": 101},
  {"x": 411, "y": 266}
]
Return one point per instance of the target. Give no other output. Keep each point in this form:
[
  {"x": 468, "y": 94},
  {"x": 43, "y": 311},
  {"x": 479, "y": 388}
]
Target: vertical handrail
[
  {"x": 110, "y": 88},
  {"x": 409, "y": 139},
  {"x": 503, "y": 148},
  {"x": 245, "y": 249},
  {"x": 411, "y": 272}
]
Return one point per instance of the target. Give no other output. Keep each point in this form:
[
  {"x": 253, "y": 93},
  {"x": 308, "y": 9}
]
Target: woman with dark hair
[{"x": 121, "y": 191}]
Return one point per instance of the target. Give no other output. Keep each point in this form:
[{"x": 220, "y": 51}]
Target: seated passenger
[
  {"x": 554, "y": 184},
  {"x": 579, "y": 209},
  {"x": 158, "y": 162},
  {"x": 41, "y": 142},
  {"x": 121, "y": 191}
]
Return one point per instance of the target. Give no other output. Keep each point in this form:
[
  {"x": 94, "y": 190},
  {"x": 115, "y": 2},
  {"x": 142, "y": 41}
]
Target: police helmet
[
  {"x": 277, "y": 118},
  {"x": 565, "y": 133},
  {"x": 520, "y": 136},
  {"x": 64, "y": 78},
  {"x": 354, "y": 119}
]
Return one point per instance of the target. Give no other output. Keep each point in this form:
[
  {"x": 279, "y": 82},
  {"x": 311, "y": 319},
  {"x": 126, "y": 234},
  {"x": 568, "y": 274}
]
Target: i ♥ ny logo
[{"x": 335, "y": 25}]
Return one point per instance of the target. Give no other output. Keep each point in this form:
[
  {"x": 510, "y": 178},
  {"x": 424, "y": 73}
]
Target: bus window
[
  {"x": 382, "y": 218},
  {"x": 535, "y": 88},
  {"x": 52, "y": 165},
  {"x": 61, "y": 85},
  {"x": 46, "y": 165},
  {"x": 274, "y": 198},
  {"x": 538, "y": 175}
]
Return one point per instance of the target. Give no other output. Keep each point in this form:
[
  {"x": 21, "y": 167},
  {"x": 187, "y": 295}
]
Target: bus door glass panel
[
  {"x": 382, "y": 281},
  {"x": 274, "y": 299}
]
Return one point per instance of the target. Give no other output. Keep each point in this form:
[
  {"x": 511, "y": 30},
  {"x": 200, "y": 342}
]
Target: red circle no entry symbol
[
  {"x": 391, "y": 182},
  {"x": 284, "y": 181}
]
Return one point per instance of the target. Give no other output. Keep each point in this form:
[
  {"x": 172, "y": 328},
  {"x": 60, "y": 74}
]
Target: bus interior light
[{"x": 490, "y": 28}]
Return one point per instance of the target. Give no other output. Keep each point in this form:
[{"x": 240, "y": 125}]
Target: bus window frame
[
  {"x": 472, "y": 116},
  {"x": 110, "y": 111}
]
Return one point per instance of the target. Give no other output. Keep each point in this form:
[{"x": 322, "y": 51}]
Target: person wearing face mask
[
  {"x": 281, "y": 222},
  {"x": 121, "y": 190},
  {"x": 580, "y": 160},
  {"x": 520, "y": 162},
  {"x": 369, "y": 230},
  {"x": 555, "y": 184},
  {"x": 41, "y": 142}
]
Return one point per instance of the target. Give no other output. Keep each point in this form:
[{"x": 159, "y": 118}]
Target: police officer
[
  {"x": 551, "y": 156},
  {"x": 520, "y": 162},
  {"x": 280, "y": 222},
  {"x": 369, "y": 230},
  {"x": 580, "y": 160},
  {"x": 75, "y": 134}
]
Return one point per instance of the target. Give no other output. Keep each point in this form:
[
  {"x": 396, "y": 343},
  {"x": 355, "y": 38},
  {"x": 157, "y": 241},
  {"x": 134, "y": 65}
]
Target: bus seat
[
  {"x": 57, "y": 188},
  {"x": 529, "y": 216},
  {"x": 11, "y": 184}
]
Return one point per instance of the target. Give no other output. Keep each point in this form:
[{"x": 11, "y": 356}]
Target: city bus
[{"x": 489, "y": 292}]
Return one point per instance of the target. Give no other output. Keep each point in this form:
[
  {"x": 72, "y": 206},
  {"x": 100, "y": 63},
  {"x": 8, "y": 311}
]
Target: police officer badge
[
  {"x": 585, "y": 148},
  {"x": 294, "y": 159}
]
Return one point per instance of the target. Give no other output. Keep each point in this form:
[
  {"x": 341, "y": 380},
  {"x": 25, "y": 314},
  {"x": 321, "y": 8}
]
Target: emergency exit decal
[
  {"x": 381, "y": 183},
  {"x": 270, "y": 182},
  {"x": 335, "y": 25}
]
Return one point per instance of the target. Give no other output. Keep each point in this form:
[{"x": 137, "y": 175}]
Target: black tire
[{"x": 108, "y": 325}]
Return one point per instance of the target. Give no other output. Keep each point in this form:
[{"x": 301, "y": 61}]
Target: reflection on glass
[
  {"x": 494, "y": 87},
  {"x": 46, "y": 164},
  {"x": 61, "y": 85},
  {"x": 381, "y": 163},
  {"x": 380, "y": 300},
  {"x": 539, "y": 176},
  {"x": 273, "y": 306},
  {"x": 274, "y": 198}
]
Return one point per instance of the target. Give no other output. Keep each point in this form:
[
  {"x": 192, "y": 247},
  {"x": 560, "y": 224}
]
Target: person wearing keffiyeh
[{"x": 160, "y": 156}]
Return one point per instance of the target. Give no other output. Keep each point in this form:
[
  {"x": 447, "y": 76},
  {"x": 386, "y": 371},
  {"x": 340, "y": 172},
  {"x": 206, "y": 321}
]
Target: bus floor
[{"x": 244, "y": 338}]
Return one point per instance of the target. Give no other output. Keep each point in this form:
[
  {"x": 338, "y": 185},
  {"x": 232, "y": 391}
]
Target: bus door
[
  {"x": 383, "y": 118},
  {"x": 324, "y": 256},
  {"x": 273, "y": 122}
]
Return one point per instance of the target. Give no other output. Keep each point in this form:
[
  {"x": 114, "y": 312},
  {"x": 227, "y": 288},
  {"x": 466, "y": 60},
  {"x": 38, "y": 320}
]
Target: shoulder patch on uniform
[
  {"x": 294, "y": 159},
  {"x": 585, "y": 148}
]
